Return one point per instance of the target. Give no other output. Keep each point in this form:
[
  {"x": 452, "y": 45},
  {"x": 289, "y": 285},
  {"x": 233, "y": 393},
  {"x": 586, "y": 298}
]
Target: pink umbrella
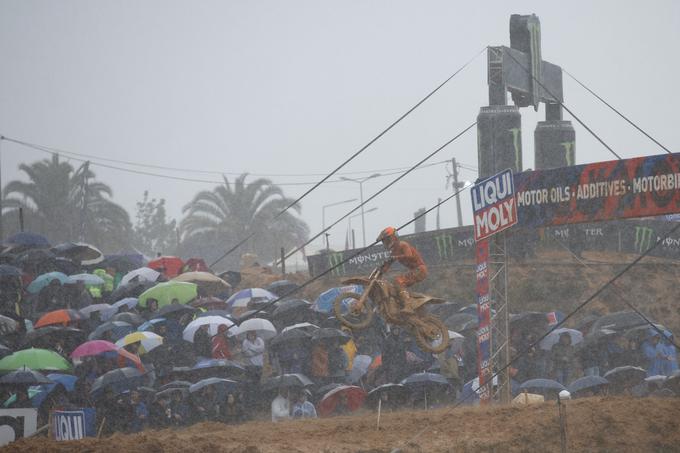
[{"x": 94, "y": 347}]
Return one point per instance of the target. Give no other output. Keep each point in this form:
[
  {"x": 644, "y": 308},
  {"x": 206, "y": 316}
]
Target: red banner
[{"x": 484, "y": 365}]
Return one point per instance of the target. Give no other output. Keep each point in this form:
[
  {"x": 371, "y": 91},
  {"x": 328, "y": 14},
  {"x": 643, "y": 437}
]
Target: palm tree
[
  {"x": 231, "y": 212},
  {"x": 67, "y": 204}
]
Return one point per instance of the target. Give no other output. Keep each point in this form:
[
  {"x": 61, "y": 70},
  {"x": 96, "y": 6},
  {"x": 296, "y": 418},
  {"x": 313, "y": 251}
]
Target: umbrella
[
  {"x": 228, "y": 367},
  {"x": 673, "y": 382},
  {"x": 132, "y": 289},
  {"x": 24, "y": 376},
  {"x": 35, "y": 256},
  {"x": 209, "y": 303},
  {"x": 290, "y": 308},
  {"x": 587, "y": 383},
  {"x": 352, "y": 396},
  {"x": 88, "y": 279},
  {"x": 66, "y": 381},
  {"x": 330, "y": 335},
  {"x": 46, "y": 336},
  {"x": 9, "y": 271},
  {"x": 207, "y": 283},
  {"x": 5, "y": 351},
  {"x": 118, "y": 381},
  {"x": 123, "y": 263},
  {"x": 85, "y": 254},
  {"x": 304, "y": 326},
  {"x": 35, "y": 359},
  {"x": 222, "y": 313},
  {"x": 618, "y": 321},
  {"x": 94, "y": 308},
  {"x": 287, "y": 381},
  {"x": 625, "y": 376},
  {"x": 165, "y": 293},
  {"x": 460, "y": 321},
  {"x": 225, "y": 384},
  {"x": 456, "y": 341},
  {"x": 175, "y": 385},
  {"x": 284, "y": 338},
  {"x": 151, "y": 324},
  {"x": 8, "y": 325},
  {"x": 63, "y": 317},
  {"x": 173, "y": 309},
  {"x": 553, "y": 337},
  {"x": 214, "y": 322},
  {"x": 282, "y": 287},
  {"x": 128, "y": 302},
  {"x": 195, "y": 265},
  {"x": 242, "y": 298},
  {"x": 263, "y": 328},
  {"x": 65, "y": 265},
  {"x": 253, "y": 314},
  {"x": 45, "y": 279},
  {"x": 545, "y": 385},
  {"x": 146, "y": 340},
  {"x": 143, "y": 274},
  {"x": 171, "y": 266},
  {"x": 130, "y": 318},
  {"x": 27, "y": 240},
  {"x": 324, "y": 303},
  {"x": 184, "y": 391},
  {"x": 425, "y": 379},
  {"x": 93, "y": 348},
  {"x": 394, "y": 391},
  {"x": 529, "y": 320},
  {"x": 114, "y": 329}
]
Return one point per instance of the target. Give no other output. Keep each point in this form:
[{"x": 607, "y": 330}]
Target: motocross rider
[{"x": 409, "y": 257}]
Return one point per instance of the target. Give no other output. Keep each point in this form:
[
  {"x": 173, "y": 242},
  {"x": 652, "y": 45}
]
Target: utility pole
[
  {"x": 457, "y": 188},
  {"x": 83, "y": 211}
]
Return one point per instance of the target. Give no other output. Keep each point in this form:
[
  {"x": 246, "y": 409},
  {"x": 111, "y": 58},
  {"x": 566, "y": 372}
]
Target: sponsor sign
[
  {"x": 484, "y": 365},
  {"x": 493, "y": 203},
  {"x": 17, "y": 423},
  {"x": 73, "y": 425},
  {"x": 640, "y": 187}
]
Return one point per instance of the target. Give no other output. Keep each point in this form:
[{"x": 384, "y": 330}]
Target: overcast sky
[{"x": 295, "y": 87}]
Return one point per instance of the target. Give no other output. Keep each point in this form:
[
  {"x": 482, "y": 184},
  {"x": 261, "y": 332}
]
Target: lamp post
[
  {"x": 323, "y": 213},
  {"x": 349, "y": 222},
  {"x": 361, "y": 182}
]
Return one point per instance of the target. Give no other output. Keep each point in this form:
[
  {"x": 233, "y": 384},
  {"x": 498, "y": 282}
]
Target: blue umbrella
[
  {"x": 425, "y": 379},
  {"x": 45, "y": 279},
  {"x": 31, "y": 240},
  {"x": 149, "y": 325},
  {"x": 324, "y": 303},
  {"x": 9, "y": 271},
  {"x": 587, "y": 383},
  {"x": 116, "y": 329},
  {"x": 129, "y": 302},
  {"x": 542, "y": 384},
  {"x": 118, "y": 381},
  {"x": 65, "y": 380},
  {"x": 218, "y": 363}
]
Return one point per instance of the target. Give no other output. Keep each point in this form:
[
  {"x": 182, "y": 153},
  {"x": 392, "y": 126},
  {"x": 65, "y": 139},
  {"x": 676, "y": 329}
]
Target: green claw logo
[
  {"x": 568, "y": 146},
  {"x": 515, "y": 131},
  {"x": 643, "y": 239},
  {"x": 444, "y": 246},
  {"x": 335, "y": 262}
]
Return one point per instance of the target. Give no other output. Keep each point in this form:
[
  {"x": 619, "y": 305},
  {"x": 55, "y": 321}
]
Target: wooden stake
[
  {"x": 101, "y": 428},
  {"x": 379, "y": 411}
]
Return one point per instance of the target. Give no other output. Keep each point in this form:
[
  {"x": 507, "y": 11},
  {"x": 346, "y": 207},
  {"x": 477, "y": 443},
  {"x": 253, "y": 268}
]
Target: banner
[
  {"x": 618, "y": 189},
  {"x": 73, "y": 425},
  {"x": 484, "y": 365},
  {"x": 17, "y": 423},
  {"x": 493, "y": 205}
]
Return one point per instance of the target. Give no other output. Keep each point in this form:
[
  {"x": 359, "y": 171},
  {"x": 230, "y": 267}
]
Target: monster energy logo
[
  {"x": 515, "y": 131},
  {"x": 568, "y": 147},
  {"x": 335, "y": 262},
  {"x": 643, "y": 239},
  {"x": 444, "y": 246}
]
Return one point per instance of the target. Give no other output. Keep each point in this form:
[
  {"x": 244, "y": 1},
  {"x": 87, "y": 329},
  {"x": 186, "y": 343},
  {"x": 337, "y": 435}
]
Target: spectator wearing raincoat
[
  {"x": 303, "y": 408},
  {"x": 252, "y": 349},
  {"x": 652, "y": 349},
  {"x": 281, "y": 406},
  {"x": 220, "y": 344},
  {"x": 669, "y": 354},
  {"x": 563, "y": 359}
]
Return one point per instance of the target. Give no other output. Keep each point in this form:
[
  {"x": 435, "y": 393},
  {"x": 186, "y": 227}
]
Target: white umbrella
[
  {"x": 262, "y": 327},
  {"x": 143, "y": 274},
  {"x": 553, "y": 337},
  {"x": 307, "y": 327},
  {"x": 214, "y": 322},
  {"x": 243, "y": 297},
  {"x": 147, "y": 340},
  {"x": 93, "y": 308},
  {"x": 87, "y": 279},
  {"x": 456, "y": 341}
]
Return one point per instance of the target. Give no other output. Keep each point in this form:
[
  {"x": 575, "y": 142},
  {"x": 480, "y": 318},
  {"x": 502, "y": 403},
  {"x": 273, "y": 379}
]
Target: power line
[
  {"x": 617, "y": 112},
  {"x": 557, "y": 326},
  {"x": 563, "y": 106}
]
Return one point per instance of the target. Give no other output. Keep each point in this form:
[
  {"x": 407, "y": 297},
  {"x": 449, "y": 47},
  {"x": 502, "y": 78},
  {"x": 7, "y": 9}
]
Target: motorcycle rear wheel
[
  {"x": 425, "y": 341},
  {"x": 353, "y": 321}
]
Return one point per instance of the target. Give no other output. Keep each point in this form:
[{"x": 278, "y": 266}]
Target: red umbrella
[
  {"x": 170, "y": 266},
  {"x": 196, "y": 265},
  {"x": 101, "y": 347},
  {"x": 63, "y": 317},
  {"x": 346, "y": 398}
]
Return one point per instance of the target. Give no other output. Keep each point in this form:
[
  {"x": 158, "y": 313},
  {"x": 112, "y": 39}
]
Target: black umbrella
[
  {"x": 220, "y": 367},
  {"x": 459, "y": 320},
  {"x": 288, "y": 308},
  {"x": 121, "y": 263},
  {"x": 395, "y": 392},
  {"x": 618, "y": 321},
  {"x": 231, "y": 277},
  {"x": 625, "y": 376},
  {"x": 130, "y": 318},
  {"x": 77, "y": 252},
  {"x": 47, "y": 335},
  {"x": 587, "y": 383},
  {"x": 282, "y": 287},
  {"x": 8, "y": 325},
  {"x": 9, "y": 271},
  {"x": 175, "y": 310},
  {"x": 425, "y": 379},
  {"x": 544, "y": 385},
  {"x": 5, "y": 351},
  {"x": 225, "y": 384},
  {"x": 529, "y": 320},
  {"x": 175, "y": 385},
  {"x": 132, "y": 289},
  {"x": 118, "y": 381},
  {"x": 254, "y": 314},
  {"x": 289, "y": 336},
  {"x": 321, "y": 391},
  {"x": 287, "y": 381},
  {"x": 115, "y": 329},
  {"x": 35, "y": 256},
  {"x": 445, "y": 310},
  {"x": 172, "y": 391},
  {"x": 26, "y": 239},
  {"x": 330, "y": 335},
  {"x": 66, "y": 266},
  {"x": 673, "y": 382},
  {"x": 24, "y": 376}
]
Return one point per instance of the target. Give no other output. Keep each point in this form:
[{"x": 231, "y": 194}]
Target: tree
[
  {"x": 152, "y": 232},
  {"x": 67, "y": 204},
  {"x": 218, "y": 219}
]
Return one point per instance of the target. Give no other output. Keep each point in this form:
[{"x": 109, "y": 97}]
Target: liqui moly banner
[
  {"x": 73, "y": 424},
  {"x": 484, "y": 365},
  {"x": 493, "y": 203}
]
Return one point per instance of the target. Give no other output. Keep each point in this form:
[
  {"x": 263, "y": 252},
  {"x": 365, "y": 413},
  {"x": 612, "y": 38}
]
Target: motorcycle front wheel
[
  {"x": 350, "y": 318},
  {"x": 431, "y": 334}
]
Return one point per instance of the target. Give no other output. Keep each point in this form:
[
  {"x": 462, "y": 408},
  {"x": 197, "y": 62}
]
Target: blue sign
[{"x": 74, "y": 425}]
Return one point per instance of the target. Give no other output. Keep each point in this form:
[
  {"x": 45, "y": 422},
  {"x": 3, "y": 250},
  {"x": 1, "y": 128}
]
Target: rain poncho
[
  {"x": 253, "y": 351},
  {"x": 670, "y": 356},
  {"x": 653, "y": 352}
]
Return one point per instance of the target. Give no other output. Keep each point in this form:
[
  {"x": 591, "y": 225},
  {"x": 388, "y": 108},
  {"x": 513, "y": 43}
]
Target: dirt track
[{"x": 613, "y": 424}]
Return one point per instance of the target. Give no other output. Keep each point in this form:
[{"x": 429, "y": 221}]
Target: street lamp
[
  {"x": 323, "y": 213},
  {"x": 361, "y": 182},
  {"x": 349, "y": 224}
]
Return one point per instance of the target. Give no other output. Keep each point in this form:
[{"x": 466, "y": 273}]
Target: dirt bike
[{"x": 379, "y": 295}]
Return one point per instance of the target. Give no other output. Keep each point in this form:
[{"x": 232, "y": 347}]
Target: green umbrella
[
  {"x": 36, "y": 359},
  {"x": 166, "y": 292}
]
